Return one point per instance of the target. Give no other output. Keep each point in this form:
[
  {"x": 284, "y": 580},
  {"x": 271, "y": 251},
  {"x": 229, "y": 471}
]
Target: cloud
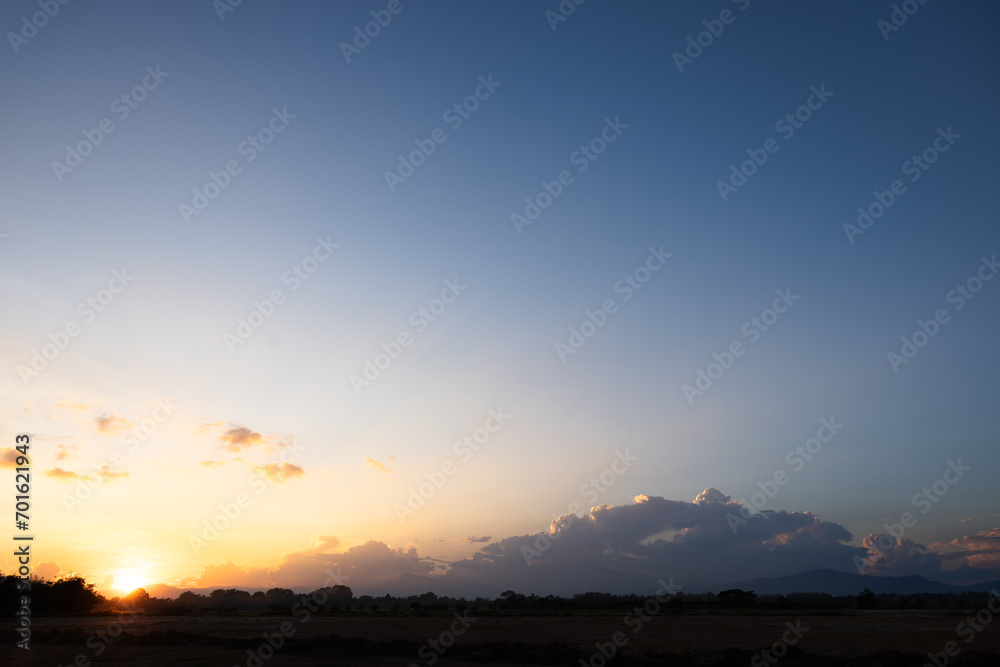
[
  {"x": 64, "y": 452},
  {"x": 238, "y": 438},
  {"x": 279, "y": 472},
  {"x": 8, "y": 457},
  {"x": 111, "y": 423},
  {"x": 378, "y": 466},
  {"x": 365, "y": 567},
  {"x": 211, "y": 464},
  {"x": 48, "y": 571},
  {"x": 979, "y": 550},
  {"x": 67, "y": 405},
  {"x": 624, "y": 548},
  {"x": 209, "y": 426},
  {"x": 106, "y": 472}
]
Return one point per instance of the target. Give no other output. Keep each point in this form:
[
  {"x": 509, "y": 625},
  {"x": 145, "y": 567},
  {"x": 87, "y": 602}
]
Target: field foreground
[{"x": 872, "y": 638}]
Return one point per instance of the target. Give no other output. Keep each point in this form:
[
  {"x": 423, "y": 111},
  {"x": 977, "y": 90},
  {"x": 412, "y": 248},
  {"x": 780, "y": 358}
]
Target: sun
[{"x": 127, "y": 581}]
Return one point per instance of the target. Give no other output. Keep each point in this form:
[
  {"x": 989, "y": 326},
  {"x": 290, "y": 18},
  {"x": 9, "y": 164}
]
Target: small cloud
[
  {"x": 111, "y": 423},
  {"x": 377, "y": 466},
  {"x": 276, "y": 472},
  {"x": 8, "y": 457},
  {"x": 239, "y": 437},
  {"x": 964, "y": 520},
  {"x": 68, "y": 405},
  {"x": 392, "y": 459},
  {"x": 205, "y": 427},
  {"x": 476, "y": 540},
  {"x": 64, "y": 452},
  {"x": 327, "y": 543},
  {"x": 211, "y": 464},
  {"x": 47, "y": 571},
  {"x": 106, "y": 473}
]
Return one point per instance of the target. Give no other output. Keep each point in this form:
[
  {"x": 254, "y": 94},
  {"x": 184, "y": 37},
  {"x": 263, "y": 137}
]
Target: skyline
[{"x": 406, "y": 304}]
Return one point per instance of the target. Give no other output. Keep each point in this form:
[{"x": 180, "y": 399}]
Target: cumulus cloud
[
  {"x": 111, "y": 423},
  {"x": 980, "y": 550},
  {"x": 279, "y": 472},
  {"x": 369, "y": 566},
  {"x": 8, "y": 457},
  {"x": 624, "y": 548},
  {"x": 378, "y": 466},
  {"x": 106, "y": 472},
  {"x": 239, "y": 438},
  {"x": 47, "y": 571}
]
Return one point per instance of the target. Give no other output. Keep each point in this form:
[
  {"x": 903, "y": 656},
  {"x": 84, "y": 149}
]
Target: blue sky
[{"x": 655, "y": 185}]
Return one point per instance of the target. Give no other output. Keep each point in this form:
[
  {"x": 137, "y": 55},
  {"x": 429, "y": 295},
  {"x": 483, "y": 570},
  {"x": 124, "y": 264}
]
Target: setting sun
[{"x": 127, "y": 581}]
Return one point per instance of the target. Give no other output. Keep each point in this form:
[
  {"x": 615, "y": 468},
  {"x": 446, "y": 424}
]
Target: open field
[{"x": 690, "y": 639}]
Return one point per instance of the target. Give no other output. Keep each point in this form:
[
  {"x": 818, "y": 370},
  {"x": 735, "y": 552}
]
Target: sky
[{"x": 415, "y": 290}]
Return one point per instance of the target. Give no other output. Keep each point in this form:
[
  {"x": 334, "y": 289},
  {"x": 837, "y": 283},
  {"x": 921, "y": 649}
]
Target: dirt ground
[{"x": 524, "y": 640}]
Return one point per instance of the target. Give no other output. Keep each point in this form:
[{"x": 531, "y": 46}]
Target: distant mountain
[
  {"x": 163, "y": 591},
  {"x": 984, "y": 587},
  {"x": 843, "y": 583}
]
